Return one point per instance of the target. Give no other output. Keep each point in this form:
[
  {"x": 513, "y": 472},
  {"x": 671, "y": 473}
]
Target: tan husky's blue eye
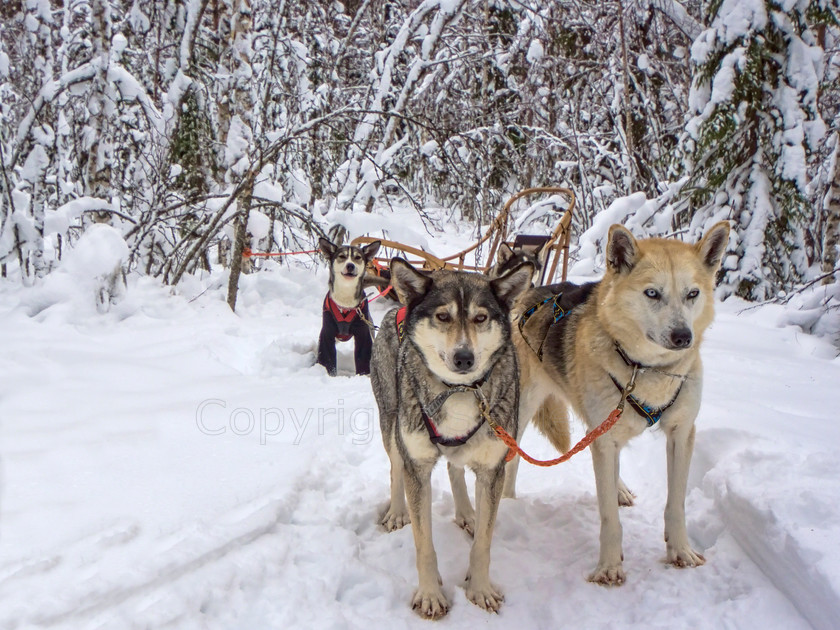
[
  {"x": 653, "y": 294},
  {"x": 480, "y": 319},
  {"x": 693, "y": 294},
  {"x": 443, "y": 317}
]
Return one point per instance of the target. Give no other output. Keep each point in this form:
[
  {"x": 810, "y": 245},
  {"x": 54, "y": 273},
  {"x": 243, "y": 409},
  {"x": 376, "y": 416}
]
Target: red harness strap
[
  {"x": 343, "y": 315},
  {"x": 401, "y": 322}
]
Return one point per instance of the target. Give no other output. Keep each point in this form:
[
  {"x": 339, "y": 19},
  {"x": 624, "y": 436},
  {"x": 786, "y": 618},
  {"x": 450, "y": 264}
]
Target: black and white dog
[{"x": 346, "y": 313}]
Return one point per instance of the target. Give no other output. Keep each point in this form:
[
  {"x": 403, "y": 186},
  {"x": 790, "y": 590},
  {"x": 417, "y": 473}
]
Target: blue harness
[{"x": 649, "y": 414}]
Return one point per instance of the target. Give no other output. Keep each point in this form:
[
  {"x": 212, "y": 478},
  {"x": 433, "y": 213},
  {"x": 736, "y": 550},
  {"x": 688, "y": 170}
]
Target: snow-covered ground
[{"x": 172, "y": 464}]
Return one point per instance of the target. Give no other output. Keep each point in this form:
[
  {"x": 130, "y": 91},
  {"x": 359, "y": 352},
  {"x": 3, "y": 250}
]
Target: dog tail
[{"x": 552, "y": 420}]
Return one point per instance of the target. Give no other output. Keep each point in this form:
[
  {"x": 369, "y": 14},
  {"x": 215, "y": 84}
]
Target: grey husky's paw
[
  {"x": 431, "y": 603},
  {"x": 393, "y": 520}
]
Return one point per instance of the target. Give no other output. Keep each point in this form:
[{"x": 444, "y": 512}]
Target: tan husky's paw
[
  {"x": 608, "y": 576},
  {"x": 430, "y": 604},
  {"x": 625, "y": 495},
  {"x": 393, "y": 520},
  {"x": 684, "y": 556},
  {"x": 484, "y": 596},
  {"x": 466, "y": 522}
]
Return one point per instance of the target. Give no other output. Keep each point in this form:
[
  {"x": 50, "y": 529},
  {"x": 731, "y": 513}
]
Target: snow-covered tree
[{"x": 755, "y": 100}]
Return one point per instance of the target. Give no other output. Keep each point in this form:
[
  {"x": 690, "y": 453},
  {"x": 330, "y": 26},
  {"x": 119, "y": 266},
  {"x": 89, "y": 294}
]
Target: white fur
[
  {"x": 344, "y": 290},
  {"x": 436, "y": 351}
]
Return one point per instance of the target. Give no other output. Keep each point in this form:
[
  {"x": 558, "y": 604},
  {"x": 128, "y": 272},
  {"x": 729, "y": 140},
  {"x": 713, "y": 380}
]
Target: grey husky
[{"x": 434, "y": 362}]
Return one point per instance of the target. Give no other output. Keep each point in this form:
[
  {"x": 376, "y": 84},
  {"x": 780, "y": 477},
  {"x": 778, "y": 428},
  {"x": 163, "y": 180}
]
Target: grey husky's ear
[
  {"x": 622, "y": 251},
  {"x": 509, "y": 286},
  {"x": 410, "y": 284},
  {"x": 369, "y": 251},
  {"x": 712, "y": 246},
  {"x": 505, "y": 254},
  {"x": 326, "y": 247}
]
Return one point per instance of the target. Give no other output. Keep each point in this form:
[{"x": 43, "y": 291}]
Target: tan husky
[{"x": 639, "y": 328}]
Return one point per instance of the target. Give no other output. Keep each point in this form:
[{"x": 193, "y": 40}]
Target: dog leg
[
  {"x": 429, "y": 600},
  {"x": 528, "y": 405},
  {"x": 396, "y": 516},
  {"x": 326, "y": 346},
  {"x": 488, "y": 489},
  {"x": 511, "y": 470},
  {"x": 512, "y": 467},
  {"x": 680, "y": 445},
  {"x": 464, "y": 512},
  {"x": 363, "y": 344},
  {"x": 609, "y": 571}
]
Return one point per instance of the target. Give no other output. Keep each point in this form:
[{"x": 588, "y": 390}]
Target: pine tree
[{"x": 756, "y": 121}]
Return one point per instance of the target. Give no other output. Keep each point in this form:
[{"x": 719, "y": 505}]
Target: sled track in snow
[{"x": 755, "y": 532}]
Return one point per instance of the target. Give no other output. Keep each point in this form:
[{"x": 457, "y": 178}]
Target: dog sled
[{"x": 554, "y": 245}]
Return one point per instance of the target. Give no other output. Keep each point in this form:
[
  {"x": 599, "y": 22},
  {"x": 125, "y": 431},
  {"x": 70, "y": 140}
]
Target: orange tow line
[
  {"x": 247, "y": 253},
  {"x": 594, "y": 434}
]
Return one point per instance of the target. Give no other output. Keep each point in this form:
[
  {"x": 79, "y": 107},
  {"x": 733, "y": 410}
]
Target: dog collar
[{"x": 644, "y": 368}]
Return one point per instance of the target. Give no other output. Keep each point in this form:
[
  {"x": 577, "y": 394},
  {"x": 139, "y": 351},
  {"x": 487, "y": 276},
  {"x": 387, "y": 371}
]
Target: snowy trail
[{"x": 121, "y": 508}]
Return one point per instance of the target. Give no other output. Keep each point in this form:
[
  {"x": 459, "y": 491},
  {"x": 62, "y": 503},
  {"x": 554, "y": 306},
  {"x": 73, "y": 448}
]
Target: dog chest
[{"x": 458, "y": 416}]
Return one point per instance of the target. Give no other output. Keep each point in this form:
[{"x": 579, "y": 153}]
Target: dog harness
[
  {"x": 559, "y": 313},
  {"x": 432, "y": 408},
  {"x": 649, "y": 414},
  {"x": 343, "y": 316}
]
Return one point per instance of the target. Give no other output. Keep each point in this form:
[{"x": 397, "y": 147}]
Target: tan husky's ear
[
  {"x": 622, "y": 251},
  {"x": 410, "y": 284},
  {"x": 542, "y": 253},
  {"x": 509, "y": 286},
  {"x": 326, "y": 247},
  {"x": 713, "y": 244},
  {"x": 369, "y": 251},
  {"x": 505, "y": 254}
]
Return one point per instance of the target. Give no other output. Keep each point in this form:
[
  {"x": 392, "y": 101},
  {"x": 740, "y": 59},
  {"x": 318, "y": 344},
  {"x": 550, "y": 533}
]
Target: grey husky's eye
[
  {"x": 443, "y": 316},
  {"x": 692, "y": 295},
  {"x": 480, "y": 319},
  {"x": 653, "y": 294}
]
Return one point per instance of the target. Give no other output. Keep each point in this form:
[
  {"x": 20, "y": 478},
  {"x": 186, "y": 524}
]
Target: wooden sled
[{"x": 498, "y": 232}]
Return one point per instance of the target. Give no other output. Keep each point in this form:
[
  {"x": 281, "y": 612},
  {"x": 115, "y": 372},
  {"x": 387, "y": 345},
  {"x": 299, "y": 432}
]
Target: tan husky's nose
[{"x": 681, "y": 337}]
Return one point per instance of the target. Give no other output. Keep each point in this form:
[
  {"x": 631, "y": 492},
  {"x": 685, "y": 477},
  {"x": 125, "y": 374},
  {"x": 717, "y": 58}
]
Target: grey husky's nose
[
  {"x": 681, "y": 337},
  {"x": 464, "y": 360},
  {"x": 349, "y": 267}
]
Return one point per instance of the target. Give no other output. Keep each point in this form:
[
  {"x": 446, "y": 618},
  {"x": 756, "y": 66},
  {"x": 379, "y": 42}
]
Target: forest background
[{"x": 196, "y": 129}]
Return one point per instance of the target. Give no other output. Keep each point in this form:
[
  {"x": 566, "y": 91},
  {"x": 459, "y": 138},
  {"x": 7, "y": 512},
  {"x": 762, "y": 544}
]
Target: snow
[
  {"x": 736, "y": 18},
  {"x": 60, "y": 219},
  {"x": 535, "y": 51},
  {"x": 173, "y": 464},
  {"x": 99, "y": 250}
]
